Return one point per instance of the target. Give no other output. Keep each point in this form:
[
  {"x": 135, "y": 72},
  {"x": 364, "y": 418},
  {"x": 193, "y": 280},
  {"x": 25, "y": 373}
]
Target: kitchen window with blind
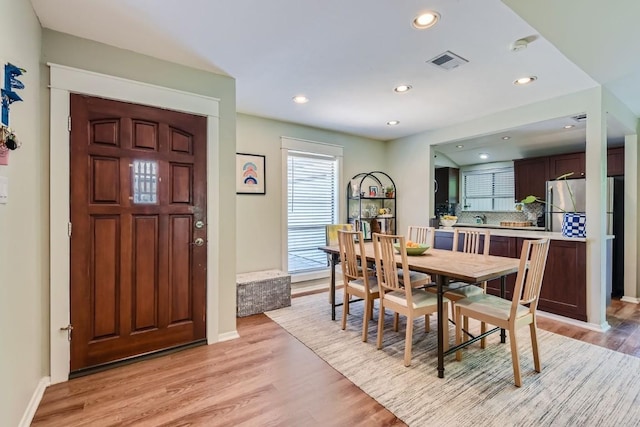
[
  {"x": 312, "y": 203},
  {"x": 488, "y": 189}
]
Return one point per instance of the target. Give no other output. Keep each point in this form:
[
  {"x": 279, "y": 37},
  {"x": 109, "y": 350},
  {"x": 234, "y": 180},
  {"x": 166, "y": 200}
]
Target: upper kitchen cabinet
[
  {"x": 615, "y": 161},
  {"x": 566, "y": 163},
  {"x": 446, "y": 185},
  {"x": 530, "y": 177}
]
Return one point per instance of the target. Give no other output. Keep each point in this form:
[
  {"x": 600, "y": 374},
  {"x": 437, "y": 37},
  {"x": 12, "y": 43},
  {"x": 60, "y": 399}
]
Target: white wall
[
  {"x": 23, "y": 225},
  {"x": 259, "y": 229}
]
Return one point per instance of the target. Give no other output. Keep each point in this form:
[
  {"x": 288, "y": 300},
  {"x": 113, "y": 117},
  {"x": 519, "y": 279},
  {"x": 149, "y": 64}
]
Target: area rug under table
[{"x": 580, "y": 384}]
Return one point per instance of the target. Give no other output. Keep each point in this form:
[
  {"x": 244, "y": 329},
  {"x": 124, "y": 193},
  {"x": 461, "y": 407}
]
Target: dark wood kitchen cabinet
[
  {"x": 564, "y": 286},
  {"x": 447, "y": 185},
  {"x": 530, "y": 177},
  {"x": 615, "y": 161},
  {"x": 565, "y": 163}
]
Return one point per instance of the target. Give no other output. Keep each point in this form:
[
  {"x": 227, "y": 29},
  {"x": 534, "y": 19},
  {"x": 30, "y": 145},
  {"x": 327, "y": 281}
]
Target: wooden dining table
[{"x": 443, "y": 266}]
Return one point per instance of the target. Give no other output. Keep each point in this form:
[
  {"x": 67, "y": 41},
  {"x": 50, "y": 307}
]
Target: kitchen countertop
[
  {"x": 526, "y": 232},
  {"x": 474, "y": 225}
]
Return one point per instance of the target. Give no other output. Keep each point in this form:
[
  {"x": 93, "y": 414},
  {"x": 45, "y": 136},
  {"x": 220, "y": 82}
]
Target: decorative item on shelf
[
  {"x": 573, "y": 223},
  {"x": 389, "y": 192},
  {"x": 368, "y": 203}
]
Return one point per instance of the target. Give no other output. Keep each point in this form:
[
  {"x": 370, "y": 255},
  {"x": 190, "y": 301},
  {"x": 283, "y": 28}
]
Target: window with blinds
[
  {"x": 311, "y": 205},
  {"x": 489, "y": 189}
]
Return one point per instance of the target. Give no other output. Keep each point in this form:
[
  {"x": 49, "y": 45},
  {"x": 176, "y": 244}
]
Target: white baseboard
[
  {"x": 227, "y": 336},
  {"x": 591, "y": 326},
  {"x": 27, "y": 417},
  {"x": 631, "y": 300}
]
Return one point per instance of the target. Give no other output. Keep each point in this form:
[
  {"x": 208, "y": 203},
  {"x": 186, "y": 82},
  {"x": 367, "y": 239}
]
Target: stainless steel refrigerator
[{"x": 559, "y": 200}]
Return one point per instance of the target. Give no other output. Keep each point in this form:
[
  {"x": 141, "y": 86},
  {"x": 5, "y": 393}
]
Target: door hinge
[
  {"x": 69, "y": 228},
  {"x": 69, "y": 123}
]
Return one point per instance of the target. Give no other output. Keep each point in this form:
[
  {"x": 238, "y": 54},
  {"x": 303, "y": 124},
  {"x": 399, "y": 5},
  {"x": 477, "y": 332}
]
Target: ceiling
[{"x": 347, "y": 56}]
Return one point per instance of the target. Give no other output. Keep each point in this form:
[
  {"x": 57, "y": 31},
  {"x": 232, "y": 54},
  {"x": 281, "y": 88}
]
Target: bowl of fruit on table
[
  {"x": 413, "y": 248},
  {"x": 448, "y": 220}
]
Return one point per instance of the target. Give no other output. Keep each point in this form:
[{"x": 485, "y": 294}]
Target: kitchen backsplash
[{"x": 530, "y": 212}]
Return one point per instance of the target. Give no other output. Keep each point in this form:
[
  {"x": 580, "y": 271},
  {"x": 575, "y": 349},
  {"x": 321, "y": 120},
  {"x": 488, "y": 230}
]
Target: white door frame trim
[{"x": 64, "y": 81}]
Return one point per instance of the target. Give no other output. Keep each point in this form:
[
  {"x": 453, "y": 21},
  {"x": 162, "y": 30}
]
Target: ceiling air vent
[
  {"x": 448, "y": 60},
  {"x": 580, "y": 118}
]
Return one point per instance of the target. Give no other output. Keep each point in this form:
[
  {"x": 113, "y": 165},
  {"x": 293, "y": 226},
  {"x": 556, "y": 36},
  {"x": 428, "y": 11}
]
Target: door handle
[{"x": 198, "y": 242}]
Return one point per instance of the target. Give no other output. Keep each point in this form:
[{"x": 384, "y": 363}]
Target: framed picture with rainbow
[{"x": 250, "y": 174}]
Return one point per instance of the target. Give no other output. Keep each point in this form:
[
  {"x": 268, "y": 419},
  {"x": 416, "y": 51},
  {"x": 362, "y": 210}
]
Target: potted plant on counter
[{"x": 573, "y": 222}]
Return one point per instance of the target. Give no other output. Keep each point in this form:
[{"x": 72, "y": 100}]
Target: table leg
[
  {"x": 503, "y": 291},
  {"x": 332, "y": 287},
  {"x": 442, "y": 323}
]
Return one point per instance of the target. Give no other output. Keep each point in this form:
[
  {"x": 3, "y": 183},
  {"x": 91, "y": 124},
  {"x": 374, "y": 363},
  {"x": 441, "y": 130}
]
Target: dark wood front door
[{"x": 138, "y": 241}]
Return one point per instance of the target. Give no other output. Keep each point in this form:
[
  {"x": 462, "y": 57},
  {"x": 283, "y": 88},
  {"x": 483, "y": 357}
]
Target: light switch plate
[{"x": 4, "y": 190}]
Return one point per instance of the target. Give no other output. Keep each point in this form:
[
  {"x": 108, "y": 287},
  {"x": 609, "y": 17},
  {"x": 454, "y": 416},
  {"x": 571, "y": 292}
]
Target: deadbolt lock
[{"x": 199, "y": 224}]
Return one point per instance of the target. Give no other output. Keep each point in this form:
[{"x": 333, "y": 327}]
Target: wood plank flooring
[{"x": 264, "y": 378}]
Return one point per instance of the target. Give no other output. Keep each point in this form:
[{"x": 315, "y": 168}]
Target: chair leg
[
  {"x": 534, "y": 347},
  {"x": 345, "y": 309},
  {"x": 446, "y": 330},
  {"x": 427, "y": 326},
  {"x": 408, "y": 341},
  {"x": 465, "y": 326},
  {"x": 380, "y": 324},
  {"x": 483, "y": 329},
  {"x": 458, "y": 333},
  {"x": 514, "y": 356},
  {"x": 396, "y": 317},
  {"x": 365, "y": 319}
]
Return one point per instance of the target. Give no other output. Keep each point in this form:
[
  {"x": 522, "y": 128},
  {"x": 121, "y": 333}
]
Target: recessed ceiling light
[
  {"x": 483, "y": 156},
  {"x": 525, "y": 80},
  {"x": 426, "y": 20},
  {"x": 402, "y": 88},
  {"x": 393, "y": 122},
  {"x": 459, "y": 146},
  {"x": 569, "y": 126},
  {"x": 506, "y": 137},
  {"x": 300, "y": 99}
]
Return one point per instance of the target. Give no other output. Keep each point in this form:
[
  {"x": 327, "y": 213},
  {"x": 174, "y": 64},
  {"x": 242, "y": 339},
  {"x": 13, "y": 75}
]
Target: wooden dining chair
[
  {"x": 514, "y": 314},
  {"x": 405, "y": 300},
  {"x": 421, "y": 234},
  {"x": 358, "y": 281},
  {"x": 424, "y": 236},
  {"x": 331, "y": 238},
  {"x": 470, "y": 241}
]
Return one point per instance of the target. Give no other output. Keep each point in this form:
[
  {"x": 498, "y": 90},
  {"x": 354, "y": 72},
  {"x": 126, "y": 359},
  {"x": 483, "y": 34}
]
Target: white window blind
[
  {"x": 489, "y": 190},
  {"x": 311, "y": 205}
]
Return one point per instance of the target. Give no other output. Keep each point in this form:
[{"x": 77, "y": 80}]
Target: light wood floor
[{"x": 266, "y": 377}]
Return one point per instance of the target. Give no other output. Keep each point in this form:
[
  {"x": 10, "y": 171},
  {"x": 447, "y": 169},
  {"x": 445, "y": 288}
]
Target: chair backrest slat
[
  {"x": 386, "y": 264},
  {"x": 421, "y": 234},
  {"x": 471, "y": 241},
  {"x": 351, "y": 244},
  {"x": 533, "y": 260}
]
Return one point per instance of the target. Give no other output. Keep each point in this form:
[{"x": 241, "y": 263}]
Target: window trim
[{"x": 319, "y": 148}]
